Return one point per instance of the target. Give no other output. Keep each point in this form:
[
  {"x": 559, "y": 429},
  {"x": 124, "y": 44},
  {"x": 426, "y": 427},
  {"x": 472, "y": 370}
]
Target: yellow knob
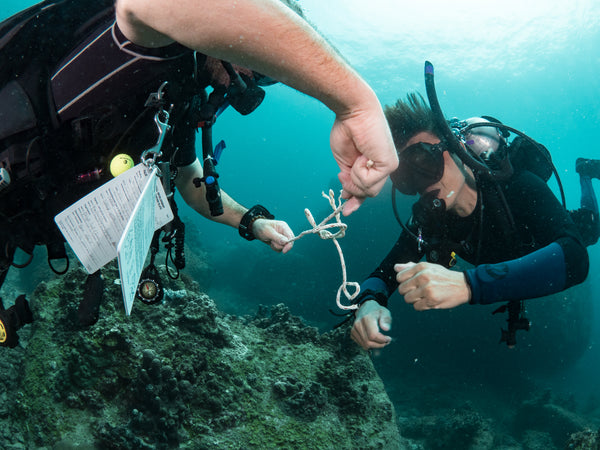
[{"x": 120, "y": 164}]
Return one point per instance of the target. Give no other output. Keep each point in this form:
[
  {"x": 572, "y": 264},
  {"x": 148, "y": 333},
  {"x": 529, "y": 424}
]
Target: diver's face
[{"x": 452, "y": 187}]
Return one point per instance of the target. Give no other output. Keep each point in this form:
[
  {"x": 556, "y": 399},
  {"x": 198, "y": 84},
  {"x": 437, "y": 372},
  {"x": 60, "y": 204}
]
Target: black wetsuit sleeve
[
  {"x": 381, "y": 284},
  {"x": 557, "y": 259}
]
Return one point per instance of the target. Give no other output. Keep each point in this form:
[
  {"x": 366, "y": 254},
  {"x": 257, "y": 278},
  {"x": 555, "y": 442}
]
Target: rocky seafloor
[{"x": 183, "y": 374}]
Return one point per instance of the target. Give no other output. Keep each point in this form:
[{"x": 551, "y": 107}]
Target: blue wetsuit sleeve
[
  {"x": 559, "y": 261},
  {"x": 373, "y": 289},
  {"x": 374, "y": 284},
  {"x": 537, "y": 274}
]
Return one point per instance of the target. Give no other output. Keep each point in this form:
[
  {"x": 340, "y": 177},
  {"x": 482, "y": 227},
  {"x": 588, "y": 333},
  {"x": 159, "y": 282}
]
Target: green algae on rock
[{"x": 183, "y": 374}]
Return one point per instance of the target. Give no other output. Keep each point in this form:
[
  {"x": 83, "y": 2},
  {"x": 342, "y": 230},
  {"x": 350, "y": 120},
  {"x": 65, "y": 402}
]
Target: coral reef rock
[
  {"x": 587, "y": 439},
  {"x": 182, "y": 374}
]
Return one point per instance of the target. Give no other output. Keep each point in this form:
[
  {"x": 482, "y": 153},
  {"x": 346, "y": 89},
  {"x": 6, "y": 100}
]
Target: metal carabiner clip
[
  {"x": 161, "y": 118},
  {"x": 150, "y": 156}
]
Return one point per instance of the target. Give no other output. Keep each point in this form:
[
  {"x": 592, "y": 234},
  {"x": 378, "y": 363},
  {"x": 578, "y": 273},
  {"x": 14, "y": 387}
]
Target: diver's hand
[
  {"x": 370, "y": 319},
  {"x": 275, "y": 233},
  {"x": 431, "y": 286},
  {"x": 362, "y": 145}
]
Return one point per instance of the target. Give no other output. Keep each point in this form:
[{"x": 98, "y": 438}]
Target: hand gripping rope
[{"x": 322, "y": 229}]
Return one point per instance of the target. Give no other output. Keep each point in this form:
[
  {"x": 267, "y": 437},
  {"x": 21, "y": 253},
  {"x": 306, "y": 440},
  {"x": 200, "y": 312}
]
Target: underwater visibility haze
[{"x": 533, "y": 65}]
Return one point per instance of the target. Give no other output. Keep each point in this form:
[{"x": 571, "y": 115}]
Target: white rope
[{"x": 323, "y": 230}]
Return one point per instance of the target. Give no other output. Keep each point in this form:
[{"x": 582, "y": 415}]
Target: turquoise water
[{"x": 533, "y": 65}]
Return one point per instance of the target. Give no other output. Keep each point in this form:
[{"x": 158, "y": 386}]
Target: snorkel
[{"x": 453, "y": 143}]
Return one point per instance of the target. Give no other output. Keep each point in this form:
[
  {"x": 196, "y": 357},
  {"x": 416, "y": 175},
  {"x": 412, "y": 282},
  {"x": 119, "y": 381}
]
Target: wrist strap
[
  {"x": 369, "y": 294},
  {"x": 251, "y": 216}
]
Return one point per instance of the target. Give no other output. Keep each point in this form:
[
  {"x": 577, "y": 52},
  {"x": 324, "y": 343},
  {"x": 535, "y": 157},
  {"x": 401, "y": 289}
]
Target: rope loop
[{"x": 322, "y": 229}]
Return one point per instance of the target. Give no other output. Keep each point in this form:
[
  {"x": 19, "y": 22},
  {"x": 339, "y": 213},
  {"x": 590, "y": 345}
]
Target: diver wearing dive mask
[
  {"x": 504, "y": 220},
  {"x": 421, "y": 164}
]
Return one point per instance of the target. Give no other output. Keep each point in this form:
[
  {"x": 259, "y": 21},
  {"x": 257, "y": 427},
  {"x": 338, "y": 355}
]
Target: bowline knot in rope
[{"x": 322, "y": 229}]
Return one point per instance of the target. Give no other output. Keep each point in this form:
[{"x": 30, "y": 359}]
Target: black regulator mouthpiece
[
  {"x": 243, "y": 93},
  {"x": 428, "y": 224},
  {"x": 428, "y": 212},
  {"x": 12, "y": 319}
]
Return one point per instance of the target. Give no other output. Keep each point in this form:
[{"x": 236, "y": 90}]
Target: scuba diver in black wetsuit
[
  {"x": 486, "y": 200},
  {"x": 84, "y": 82}
]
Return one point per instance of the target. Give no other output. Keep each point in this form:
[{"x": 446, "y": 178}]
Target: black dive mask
[
  {"x": 245, "y": 96},
  {"x": 420, "y": 166},
  {"x": 243, "y": 92}
]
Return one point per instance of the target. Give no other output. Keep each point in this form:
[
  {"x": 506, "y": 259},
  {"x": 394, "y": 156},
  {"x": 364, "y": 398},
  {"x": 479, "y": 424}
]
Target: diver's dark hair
[{"x": 407, "y": 118}]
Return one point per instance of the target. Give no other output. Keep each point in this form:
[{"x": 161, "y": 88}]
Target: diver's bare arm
[
  {"x": 195, "y": 197},
  {"x": 264, "y": 35}
]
